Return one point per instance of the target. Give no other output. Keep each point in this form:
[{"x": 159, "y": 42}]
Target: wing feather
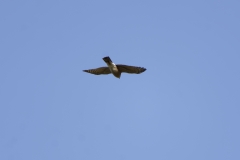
[
  {"x": 130, "y": 69},
  {"x": 98, "y": 71}
]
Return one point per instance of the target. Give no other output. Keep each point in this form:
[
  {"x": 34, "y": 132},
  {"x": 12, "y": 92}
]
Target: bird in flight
[{"x": 115, "y": 69}]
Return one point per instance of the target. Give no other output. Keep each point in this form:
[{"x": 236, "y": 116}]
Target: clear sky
[{"x": 185, "y": 106}]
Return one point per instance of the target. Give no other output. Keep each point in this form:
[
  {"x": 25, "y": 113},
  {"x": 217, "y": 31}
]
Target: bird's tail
[{"x": 107, "y": 60}]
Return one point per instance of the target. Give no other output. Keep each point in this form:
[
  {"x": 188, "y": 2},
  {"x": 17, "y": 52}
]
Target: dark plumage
[{"x": 116, "y": 70}]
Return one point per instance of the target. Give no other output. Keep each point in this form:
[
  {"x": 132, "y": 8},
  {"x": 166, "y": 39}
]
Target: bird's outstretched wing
[
  {"x": 130, "y": 69},
  {"x": 98, "y": 71}
]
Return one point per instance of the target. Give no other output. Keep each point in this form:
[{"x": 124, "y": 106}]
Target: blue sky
[{"x": 185, "y": 106}]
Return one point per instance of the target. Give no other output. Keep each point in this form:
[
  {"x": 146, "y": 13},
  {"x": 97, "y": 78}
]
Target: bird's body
[
  {"x": 116, "y": 70},
  {"x": 113, "y": 68}
]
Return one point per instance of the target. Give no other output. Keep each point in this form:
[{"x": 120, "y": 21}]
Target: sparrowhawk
[{"x": 115, "y": 69}]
